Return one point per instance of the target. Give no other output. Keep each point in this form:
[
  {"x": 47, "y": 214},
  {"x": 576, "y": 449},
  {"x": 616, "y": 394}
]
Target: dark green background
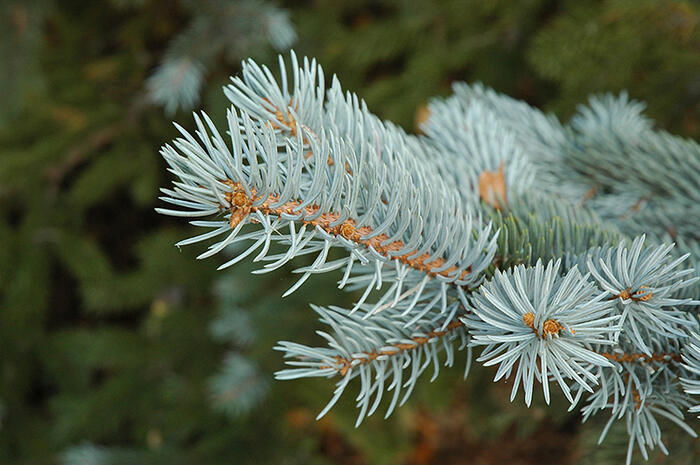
[{"x": 104, "y": 324}]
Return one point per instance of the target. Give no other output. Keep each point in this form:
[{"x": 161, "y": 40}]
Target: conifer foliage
[
  {"x": 561, "y": 253},
  {"x": 217, "y": 27}
]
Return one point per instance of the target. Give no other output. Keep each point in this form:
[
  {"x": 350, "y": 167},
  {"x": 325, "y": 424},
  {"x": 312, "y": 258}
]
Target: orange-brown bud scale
[
  {"x": 550, "y": 327},
  {"x": 347, "y": 230},
  {"x": 637, "y": 399},
  {"x": 624, "y": 295},
  {"x": 638, "y": 296},
  {"x": 640, "y": 357}
]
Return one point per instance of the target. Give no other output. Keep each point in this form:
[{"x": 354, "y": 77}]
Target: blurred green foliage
[{"x": 114, "y": 344}]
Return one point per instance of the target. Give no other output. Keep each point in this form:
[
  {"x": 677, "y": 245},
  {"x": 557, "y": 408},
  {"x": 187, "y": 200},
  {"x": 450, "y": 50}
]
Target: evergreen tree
[
  {"x": 476, "y": 234},
  {"x": 119, "y": 348}
]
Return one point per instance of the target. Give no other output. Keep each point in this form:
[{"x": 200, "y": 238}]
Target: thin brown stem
[
  {"x": 241, "y": 205},
  {"x": 343, "y": 365},
  {"x": 643, "y": 358}
]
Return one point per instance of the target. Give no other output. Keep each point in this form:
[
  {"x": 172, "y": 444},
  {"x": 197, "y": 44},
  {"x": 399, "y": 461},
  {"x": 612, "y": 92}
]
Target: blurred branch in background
[
  {"x": 216, "y": 28},
  {"x": 20, "y": 74}
]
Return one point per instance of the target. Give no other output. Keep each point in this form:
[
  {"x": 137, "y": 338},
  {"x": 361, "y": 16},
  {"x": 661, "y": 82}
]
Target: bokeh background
[{"x": 118, "y": 348}]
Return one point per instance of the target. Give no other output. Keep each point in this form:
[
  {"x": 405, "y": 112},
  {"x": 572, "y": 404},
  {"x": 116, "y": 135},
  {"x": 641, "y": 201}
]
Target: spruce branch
[
  {"x": 369, "y": 201},
  {"x": 691, "y": 363},
  {"x": 643, "y": 282},
  {"x": 474, "y": 234},
  {"x": 641, "y": 394},
  {"x": 531, "y": 314},
  {"x": 385, "y": 352}
]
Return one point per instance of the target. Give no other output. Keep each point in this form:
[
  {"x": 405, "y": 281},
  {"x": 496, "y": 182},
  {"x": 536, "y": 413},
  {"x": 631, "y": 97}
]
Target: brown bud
[
  {"x": 347, "y": 230},
  {"x": 239, "y": 199},
  {"x": 551, "y": 327}
]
